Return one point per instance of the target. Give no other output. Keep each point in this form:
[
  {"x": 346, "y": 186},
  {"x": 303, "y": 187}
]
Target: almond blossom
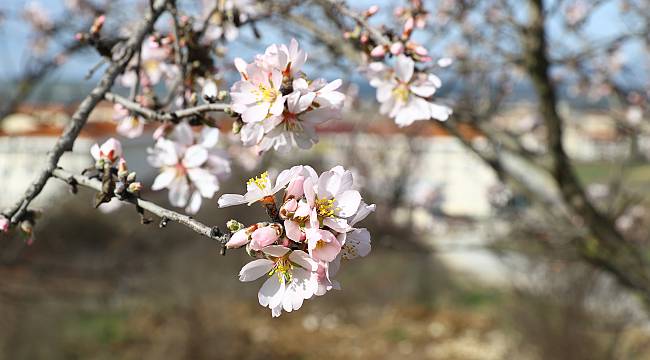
[
  {"x": 129, "y": 125},
  {"x": 289, "y": 280},
  {"x": 310, "y": 235},
  {"x": 190, "y": 166},
  {"x": 110, "y": 151},
  {"x": 4, "y": 224},
  {"x": 260, "y": 188},
  {"x": 404, "y": 94},
  {"x": 278, "y": 107}
]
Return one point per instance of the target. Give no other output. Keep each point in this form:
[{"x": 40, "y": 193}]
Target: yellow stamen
[
  {"x": 260, "y": 181},
  {"x": 325, "y": 207},
  {"x": 283, "y": 269},
  {"x": 401, "y": 92}
]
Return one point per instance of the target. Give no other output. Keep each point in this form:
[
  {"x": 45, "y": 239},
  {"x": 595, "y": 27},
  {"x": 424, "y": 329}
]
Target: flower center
[
  {"x": 320, "y": 244},
  {"x": 325, "y": 207},
  {"x": 282, "y": 268},
  {"x": 401, "y": 92},
  {"x": 260, "y": 181},
  {"x": 265, "y": 94}
]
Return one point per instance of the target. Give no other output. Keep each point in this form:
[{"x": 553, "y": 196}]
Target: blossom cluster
[
  {"x": 190, "y": 164},
  {"x": 278, "y": 106},
  {"x": 301, "y": 250},
  {"x": 112, "y": 169}
]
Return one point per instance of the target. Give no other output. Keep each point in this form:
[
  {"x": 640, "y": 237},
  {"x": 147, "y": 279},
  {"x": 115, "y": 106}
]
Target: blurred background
[{"x": 479, "y": 249}]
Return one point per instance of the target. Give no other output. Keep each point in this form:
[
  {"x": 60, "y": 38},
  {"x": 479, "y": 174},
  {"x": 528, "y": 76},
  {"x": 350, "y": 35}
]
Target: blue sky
[{"x": 606, "y": 23}]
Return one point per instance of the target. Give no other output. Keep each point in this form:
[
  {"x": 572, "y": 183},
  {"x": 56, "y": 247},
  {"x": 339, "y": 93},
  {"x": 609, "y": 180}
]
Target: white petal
[
  {"x": 348, "y": 203},
  {"x": 179, "y": 192},
  {"x": 231, "y": 199},
  {"x": 301, "y": 258},
  {"x": 256, "y": 113},
  {"x": 164, "y": 179},
  {"x": 195, "y": 156},
  {"x": 194, "y": 204},
  {"x": 255, "y": 269},
  {"x": 204, "y": 181},
  {"x": 404, "y": 68},
  {"x": 271, "y": 292}
]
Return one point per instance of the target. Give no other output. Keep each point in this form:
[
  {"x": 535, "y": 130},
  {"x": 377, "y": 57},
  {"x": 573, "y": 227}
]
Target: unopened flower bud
[
  {"x": 131, "y": 177},
  {"x": 236, "y": 126},
  {"x": 408, "y": 27},
  {"x": 234, "y": 225},
  {"x": 378, "y": 51},
  {"x": 119, "y": 188},
  {"x": 4, "y": 224},
  {"x": 122, "y": 168},
  {"x": 135, "y": 187},
  {"x": 371, "y": 11},
  {"x": 397, "y": 48},
  {"x": 238, "y": 239}
]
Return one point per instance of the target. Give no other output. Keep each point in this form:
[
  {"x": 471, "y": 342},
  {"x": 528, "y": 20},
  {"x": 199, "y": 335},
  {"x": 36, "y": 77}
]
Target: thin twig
[
  {"x": 163, "y": 116},
  {"x": 151, "y": 207}
]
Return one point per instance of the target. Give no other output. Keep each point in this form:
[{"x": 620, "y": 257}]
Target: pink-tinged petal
[
  {"x": 272, "y": 292},
  {"x": 130, "y": 127},
  {"x": 183, "y": 134},
  {"x": 4, "y": 224},
  {"x": 238, "y": 239},
  {"x": 195, "y": 156},
  {"x": 275, "y": 250},
  {"x": 164, "y": 179},
  {"x": 256, "y": 113},
  {"x": 404, "y": 67},
  {"x": 194, "y": 205},
  {"x": 263, "y": 237},
  {"x": 433, "y": 79},
  {"x": 285, "y": 176},
  {"x": 231, "y": 199},
  {"x": 111, "y": 149},
  {"x": 292, "y": 229},
  {"x": 310, "y": 194},
  {"x": 240, "y": 65},
  {"x": 179, "y": 192},
  {"x": 296, "y": 187},
  {"x": 255, "y": 269},
  {"x": 303, "y": 259},
  {"x": 348, "y": 203},
  {"x": 289, "y": 206}
]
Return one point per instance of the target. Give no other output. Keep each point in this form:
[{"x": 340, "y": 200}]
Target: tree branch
[
  {"x": 163, "y": 116},
  {"x": 79, "y": 118},
  {"x": 157, "y": 210}
]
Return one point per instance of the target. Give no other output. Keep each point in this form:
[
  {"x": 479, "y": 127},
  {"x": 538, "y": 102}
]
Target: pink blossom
[
  {"x": 289, "y": 281},
  {"x": 263, "y": 237},
  {"x": 190, "y": 166},
  {"x": 110, "y": 151}
]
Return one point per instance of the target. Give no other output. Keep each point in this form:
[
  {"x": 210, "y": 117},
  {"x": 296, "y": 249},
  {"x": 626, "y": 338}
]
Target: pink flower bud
[
  {"x": 421, "y": 50},
  {"x": 408, "y": 27},
  {"x": 264, "y": 237},
  {"x": 397, "y": 48},
  {"x": 364, "y": 38},
  {"x": 371, "y": 11},
  {"x": 290, "y": 206},
  {"x": 134, "y": 187},
  {"x": 4, "y": 224},
  {"x": 121, "y": 166},
  {"x": 378, "y": 51},
  {"x": 238, "y": 239},
  {"x": 111, "y": 150}
]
